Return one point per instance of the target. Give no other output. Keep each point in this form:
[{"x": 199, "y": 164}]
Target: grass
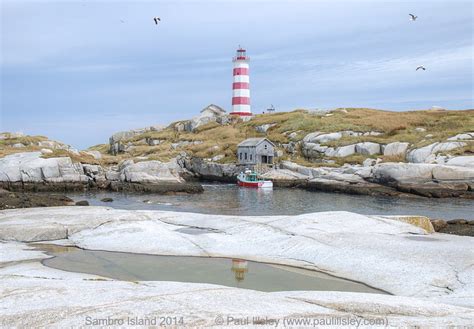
[
  {"x": 25, "y": 140},
  {"x": 393, "y": 158},
  {"x": 395, "y": 126},
  {"x": 217, "y": 139},
  {"x": 6, "y": 145},
  {"x": 102, "y": 148},
  {"x": 78, "y": 158}
]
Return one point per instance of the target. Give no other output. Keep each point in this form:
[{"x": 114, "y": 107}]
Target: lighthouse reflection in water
[
  {"x": 142, "y": 267},
  {"x": 239, "y": 267}
]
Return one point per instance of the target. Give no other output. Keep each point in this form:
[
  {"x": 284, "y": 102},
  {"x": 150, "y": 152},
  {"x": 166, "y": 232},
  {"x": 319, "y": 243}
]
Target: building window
[
  {"x": 265, "y": 146},
  {"x": 250, "y": 157},
  {"x": 245, "y": 156},
  {"x": 240, "y": 155}
]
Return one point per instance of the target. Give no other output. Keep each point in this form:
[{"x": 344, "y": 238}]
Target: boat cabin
[{"x": 254, "y": 151}]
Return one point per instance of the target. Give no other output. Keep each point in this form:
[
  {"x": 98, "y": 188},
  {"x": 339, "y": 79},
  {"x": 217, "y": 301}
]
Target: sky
[{"x": 78, "y": 71}]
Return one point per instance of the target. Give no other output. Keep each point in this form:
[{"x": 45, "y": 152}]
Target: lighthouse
[{"x": 240, "y": 85}]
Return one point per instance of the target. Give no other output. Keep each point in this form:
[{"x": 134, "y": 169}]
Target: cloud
[{"x": 73, "y": 70}]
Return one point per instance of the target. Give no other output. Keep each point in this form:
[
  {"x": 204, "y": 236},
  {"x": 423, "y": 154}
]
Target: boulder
[
  {"x": 369, "y": 162},
  {"x": 324, "y": 138},
  {"x": 340, "y": 152},
  {"x": 313, "y": 150},
  {"x": 310, "y": 138},
  {"x": 284, "y": 174},
  {"x": 367, "y": 148},
  {"x": 420, "y": 221},
  {"x": 211, "y": 113},
  {"x": 298, "y": 168},
  {"x": 95, "y": 154},
  {"x": 212, "y": 170},
  {"x": 52, "y": 145},
  {"x": 285, "y": 178},
  {"x": 453, "y": 173},
  {"x": 117, "y": 139},
  {"x": 149, "y": 172},
  {"x": 92, "y": 170},
  {"x": 448, "y": 146},
  {"x": 263, "y": 128},
  {"x": 351, "y": 133},
  {"x": 372, "y": 133},
  {"x": 154, "y": 142},
  {"x": 343, "y": 177},
  {"x": 293, "y": 135},
  {"x": 357, "y": 188},
  {"x": 465, "y": 136},
  {"x": 427, "y": 154},
  {"x": 30, "y": 167},
  {"x": 112, "y": 175},
  {"x": 7, "y": 135},
  {"x": 421, "y": 155},
  {"x": 180, "y": 144},
  {"x": 364, "y": 172},
  {"x": 395, "y": 149},
  {"x": 290, "y": 147},
  {"x": 463, "y": 161},
  {"x": 439, "y": 224},
  {"x": 218, "y": 157},
  {"x": 435, "y": 189},
  {"x": 400, "y": 172}
]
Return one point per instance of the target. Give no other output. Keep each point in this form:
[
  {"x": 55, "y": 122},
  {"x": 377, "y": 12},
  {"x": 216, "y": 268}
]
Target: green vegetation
[{"x": 214, "y": 139}]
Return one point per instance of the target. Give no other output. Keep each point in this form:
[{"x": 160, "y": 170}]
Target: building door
[{"x": 264, "y": 159}]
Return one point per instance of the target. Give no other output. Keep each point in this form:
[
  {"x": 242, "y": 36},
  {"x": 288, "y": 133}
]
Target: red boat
[{"x": 250, "y": 179}]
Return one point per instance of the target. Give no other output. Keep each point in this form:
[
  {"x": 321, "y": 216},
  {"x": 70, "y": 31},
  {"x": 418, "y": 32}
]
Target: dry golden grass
[
  {"x": 218, "y": 139},
  {"x": 395, "y": 126},
  {"x": 6, "y": 145},
  {"x": 81, "y": 158},
  {"x": 26, "y": 140},
  {"x": 102, "y": 148},
  {"x": 393, "y": 158},
  {"x": 4, "y": 151},
  {"x": 388, "y": 122},
  {"x": 311, "y": 164}
]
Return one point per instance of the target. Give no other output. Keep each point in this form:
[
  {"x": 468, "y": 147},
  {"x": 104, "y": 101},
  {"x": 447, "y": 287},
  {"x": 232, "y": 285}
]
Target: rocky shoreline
[
  {"x": 29, "y": 172},
  {"x": 12, "y": 200},
  {"x": 430, "y": 285}
]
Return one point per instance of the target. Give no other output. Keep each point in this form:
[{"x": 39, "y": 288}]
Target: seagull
[
  {"x": 413, "y": 17},
  {"x": 156, "y": 19},
  {"x": 122, "y": 21},
  {"x": 420, "y": 67}
]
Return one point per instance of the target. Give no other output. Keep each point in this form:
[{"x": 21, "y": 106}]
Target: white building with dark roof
[{"x": 254, "y": 151}]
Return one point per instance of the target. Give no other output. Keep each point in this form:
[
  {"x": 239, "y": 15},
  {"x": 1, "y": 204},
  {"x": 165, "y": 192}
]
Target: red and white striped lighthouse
[{"x": 241, "y": 86}]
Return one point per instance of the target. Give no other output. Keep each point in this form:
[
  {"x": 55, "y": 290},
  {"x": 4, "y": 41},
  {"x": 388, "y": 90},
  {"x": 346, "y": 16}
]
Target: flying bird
[
  {"x": 156, "y": 19},
  {"x": 413, "y": 17},
  {"x": 421, "y": 67}
]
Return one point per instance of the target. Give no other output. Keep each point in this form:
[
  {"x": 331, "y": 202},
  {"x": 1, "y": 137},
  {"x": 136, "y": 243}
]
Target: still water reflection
[
  {"x": 229, "y": 199},
  {"x": 222, "y": 271}
]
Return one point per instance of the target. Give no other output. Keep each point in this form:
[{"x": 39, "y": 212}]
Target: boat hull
[{"x": 257, "y": 184}]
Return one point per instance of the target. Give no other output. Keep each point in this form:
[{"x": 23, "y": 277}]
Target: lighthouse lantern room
[{"x": 241, "y": 86}]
